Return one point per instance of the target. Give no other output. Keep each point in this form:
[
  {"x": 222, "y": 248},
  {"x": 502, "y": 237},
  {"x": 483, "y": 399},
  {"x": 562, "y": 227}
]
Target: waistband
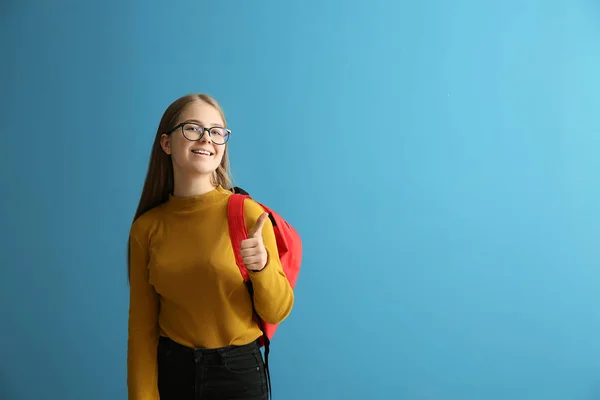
[{"x": 216, "y": 355}]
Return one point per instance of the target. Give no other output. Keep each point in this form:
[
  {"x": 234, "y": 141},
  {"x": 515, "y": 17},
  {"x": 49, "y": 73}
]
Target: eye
[
  {"x": 218, "y": 131},
  {"x": 193, "y": 128}
]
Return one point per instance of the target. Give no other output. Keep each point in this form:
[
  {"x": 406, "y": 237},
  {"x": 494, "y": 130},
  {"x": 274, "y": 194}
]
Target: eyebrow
[{"x": 202, "y": 123}]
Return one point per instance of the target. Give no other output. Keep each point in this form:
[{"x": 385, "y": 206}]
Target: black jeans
[{"x": 227, "y": 373}]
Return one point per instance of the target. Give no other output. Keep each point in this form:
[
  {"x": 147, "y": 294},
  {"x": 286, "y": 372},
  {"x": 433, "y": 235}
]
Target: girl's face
[{"x": 192, "y": 157}]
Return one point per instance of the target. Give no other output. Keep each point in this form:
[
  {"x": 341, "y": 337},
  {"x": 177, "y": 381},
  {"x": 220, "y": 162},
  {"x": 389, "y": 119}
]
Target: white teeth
[{"x": 201, "y": 152}]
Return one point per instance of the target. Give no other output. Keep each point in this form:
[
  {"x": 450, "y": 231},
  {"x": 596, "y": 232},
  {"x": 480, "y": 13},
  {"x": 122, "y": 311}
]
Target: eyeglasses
[{"x": 194, "y": 132}]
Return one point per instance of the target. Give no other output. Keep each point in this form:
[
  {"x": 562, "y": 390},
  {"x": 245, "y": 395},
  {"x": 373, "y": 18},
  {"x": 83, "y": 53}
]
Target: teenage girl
[{"x": 191, "y": 331}]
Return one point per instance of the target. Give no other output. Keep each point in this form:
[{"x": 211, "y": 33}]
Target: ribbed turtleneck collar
[{"x": 196, "y": 202}]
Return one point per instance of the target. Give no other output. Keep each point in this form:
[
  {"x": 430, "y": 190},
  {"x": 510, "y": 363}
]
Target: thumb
[{"x": 257, "y": 229}]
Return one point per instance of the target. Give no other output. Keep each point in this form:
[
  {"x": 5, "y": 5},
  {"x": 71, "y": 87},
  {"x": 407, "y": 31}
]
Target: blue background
[{"x": 440, "y": 160}]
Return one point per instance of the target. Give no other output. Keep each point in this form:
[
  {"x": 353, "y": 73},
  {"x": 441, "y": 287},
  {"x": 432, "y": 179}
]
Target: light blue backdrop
[{"x": 440, "y": 159}]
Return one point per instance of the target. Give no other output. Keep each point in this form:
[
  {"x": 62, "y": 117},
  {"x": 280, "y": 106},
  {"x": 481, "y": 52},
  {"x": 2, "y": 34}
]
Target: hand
[{"x": 254, "y": 253}]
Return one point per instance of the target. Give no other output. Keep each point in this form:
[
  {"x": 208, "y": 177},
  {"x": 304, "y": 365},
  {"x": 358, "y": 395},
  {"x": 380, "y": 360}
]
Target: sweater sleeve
[
  {"x": 273, "y": 295},
  {"x": 142, "y": 369}
]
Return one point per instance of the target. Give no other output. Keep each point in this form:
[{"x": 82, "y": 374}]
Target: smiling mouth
[{"x": 202, "y": 152}]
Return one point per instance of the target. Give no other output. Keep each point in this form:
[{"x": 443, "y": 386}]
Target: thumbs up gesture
[{"x": 254, "y": 253}]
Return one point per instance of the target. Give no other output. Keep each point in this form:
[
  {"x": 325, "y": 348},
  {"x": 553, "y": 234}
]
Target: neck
[{"x": 189, "y": 186}]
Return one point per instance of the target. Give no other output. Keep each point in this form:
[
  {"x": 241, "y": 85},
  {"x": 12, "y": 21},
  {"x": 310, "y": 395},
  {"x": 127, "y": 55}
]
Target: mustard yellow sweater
[{"x": 185, "y": 284}]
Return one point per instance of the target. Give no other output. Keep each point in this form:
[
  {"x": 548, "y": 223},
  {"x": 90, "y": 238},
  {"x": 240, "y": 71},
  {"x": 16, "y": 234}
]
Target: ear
[{"x": 165, "y": 143}]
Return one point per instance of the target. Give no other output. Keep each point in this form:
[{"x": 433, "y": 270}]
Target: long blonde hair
[{"x": 159, "y": 181}]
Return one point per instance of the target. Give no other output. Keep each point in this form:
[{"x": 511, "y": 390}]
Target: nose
[{"x": 205, "y": 136}]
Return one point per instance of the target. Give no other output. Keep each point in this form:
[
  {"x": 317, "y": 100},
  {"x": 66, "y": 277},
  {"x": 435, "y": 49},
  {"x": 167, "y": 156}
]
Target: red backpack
[{"x": 289, "y": 246}]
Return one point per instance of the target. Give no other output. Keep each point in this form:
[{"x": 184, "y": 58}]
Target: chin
[
  {"x": 202, "y": 171},
  {"x": 199, "y": 167}
]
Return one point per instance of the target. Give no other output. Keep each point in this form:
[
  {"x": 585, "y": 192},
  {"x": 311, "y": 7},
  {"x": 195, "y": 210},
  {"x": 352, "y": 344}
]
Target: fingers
[
  {"x": 257, "y": 229},
  {"x": 249, "y": 251},
  {"x": 250, "y": 260},
  {"x": 254, "y": 254},
  {"x": 256, "y": 261},
  {"x": 250, "y": 243}
]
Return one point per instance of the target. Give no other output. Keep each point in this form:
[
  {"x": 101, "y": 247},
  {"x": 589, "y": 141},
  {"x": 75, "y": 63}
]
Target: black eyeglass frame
[{"x": 204, "y": 130}]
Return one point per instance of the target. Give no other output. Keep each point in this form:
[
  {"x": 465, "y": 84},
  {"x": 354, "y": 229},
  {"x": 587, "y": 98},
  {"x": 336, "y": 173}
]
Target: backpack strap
[
  {"x": 237, "y": 229},
  {"x": 237, "y": 233}
]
